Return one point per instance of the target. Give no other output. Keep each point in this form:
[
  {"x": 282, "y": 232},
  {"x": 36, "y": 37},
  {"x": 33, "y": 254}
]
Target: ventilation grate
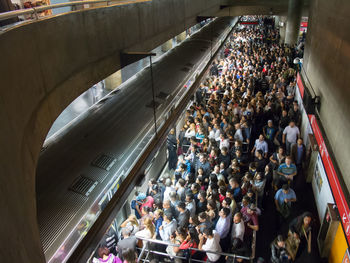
[
  {"x": 104, "y": 162},
  {"x": 162, "y": 95},
  {"x": 83, "y": 185},
  {"x": 185, "y": 69}
]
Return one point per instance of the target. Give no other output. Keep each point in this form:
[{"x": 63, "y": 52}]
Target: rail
[
  {"x": 156, "y": 241},
  {"x": 37, "y": 10}
]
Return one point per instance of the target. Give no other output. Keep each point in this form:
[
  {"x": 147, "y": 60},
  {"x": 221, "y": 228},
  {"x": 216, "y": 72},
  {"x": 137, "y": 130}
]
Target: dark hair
[
  {"x": 226, "y": 211},
  {"x": 129, "y": 254},
  {"x": 182, "y": 182},
  {"x": 228, "y": 200},
  {"x": 285, "y": 187},
  {"x": 203, "y": 215},
  {"x": 208, "y": 231},
  {"x": 181, "y": 205},
  {"x": 103, "y": 251}
]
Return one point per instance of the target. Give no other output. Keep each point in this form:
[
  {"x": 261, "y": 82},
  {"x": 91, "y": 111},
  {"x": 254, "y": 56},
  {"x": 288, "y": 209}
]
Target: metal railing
[
  {"x": 146, "y": 248},
  {"x": 36, "y": 10}
]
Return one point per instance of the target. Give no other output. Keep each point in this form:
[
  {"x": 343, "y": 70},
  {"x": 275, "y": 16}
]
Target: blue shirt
[
  {"x": 261, "y": 146},
  {"x": 280, "y": 196},
  {"x": 300, "y": 154},
  {"x": 287, "y": 170},
  {"x": 223, "y": 226}
]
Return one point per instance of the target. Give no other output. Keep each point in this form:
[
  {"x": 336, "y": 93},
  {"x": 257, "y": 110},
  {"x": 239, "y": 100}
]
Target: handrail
[
  {"x": 161, "y": 242},
  {"x": 35, "y": 10}
]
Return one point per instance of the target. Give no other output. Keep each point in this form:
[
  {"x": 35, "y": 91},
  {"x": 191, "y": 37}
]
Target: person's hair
[
  {"x": 160, "y": 212},
  {"x": 208, "y": 231},
  {"x": 238, "y": 214},
  {"x": 181, "y": 205},
  {"x": 226, "y": 211},
  {"x": 133, "y": 220},
  {"x": 193, "y": 234},
  {"x": 146, "y": 209},
  {"x": 228, "y": 200},
  {"x": 190, "y": 195},
  {"x": 195, "y": 220},
  {"x": 102, "y": 251},
  {"x": 129, "y": 255},
  {"x": 279, "y": 238},
  {"x": 182, "y": 182},
  {"x": 289, "y": 157},
  {"x": 285, "y": 187},
  {"x": 222, "y": 190},
  {"x": 173, "y": 194},
  {"x": 212, "y": 204},
  {"x": 149, "y": 225},
  {"x": 168, "y": 182},
  {"x": 203, "y": 193},
  {"x": 196, "y": 186},
  {"x": 169, "y": 215},
  {"x": 203, "y": 215},
  {"x": 231, "y": 191}
]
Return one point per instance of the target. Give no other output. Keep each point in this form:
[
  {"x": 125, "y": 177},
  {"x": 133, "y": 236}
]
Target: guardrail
[{"x": 36, "y": 10}]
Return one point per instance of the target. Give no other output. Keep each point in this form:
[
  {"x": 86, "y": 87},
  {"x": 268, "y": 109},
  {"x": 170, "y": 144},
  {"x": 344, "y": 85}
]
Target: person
[
  {"x": 210, "y": 241},
  {"x": 184, "y": 215},
  {"x": 287, "y": 171},
  {"x": 261, "y": 144},
  {"x": 190, "y": 203},
  {"x": 201, "y": 205},
  {"x": 298, "y": 154},
  {"x": 132, "y": 223},
  {"x": 271, "y": 134},
  {"x": 129, "y": 256},
  {"x": 158, "y": 220},
  {"x": 147, "y": 232},
  {"x": 284, "y": 198},
  {"x": 105, "y": 256},
  {"x": 238, "y": 227},
  {"x": 128, "y": 242},
  {"x": 172, "y": 149},
  {"x": 279, "y": 253},
  {"x": 300, "y": 227},
  {"x": 168, "y": 226},
  {"x": 204, "y": 222},
  {"x": 290, "y": 135},
  {"x": 223, "y": 227},
  {"x": 276, "y": 159}
]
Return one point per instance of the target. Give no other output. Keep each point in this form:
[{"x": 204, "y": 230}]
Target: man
[
  {"x": 287, "y": 170},
  {"x": 238, "y": 227},
  {"x": 227, "y": 203},
  {"x": 237, "y": 192},
  {"x": 223, "y": 227},
  {"x": 284, "y": 198},
  {"x": 251, "y": 221},
  {"x": 230, "y": 194},
  {"x": 172, "y": 150},
  {"x": 201, "y": 205},
  {"x": 298, "y": 154},
  {"x": 168, "y": 189},
  {"x": 210, "y": 241},
  {"x": 127, "y": 241},
  {"x": 270, "y": 133},
  {"x": 238, "y": 134},
  {"x": 184, "y": 215},
  {"x": 168, "y": 226},
  {"x": 224, "y": 157},
  {"x": 167, "y": 207},
  {"x": 202, "y": 163},
  {"x": 261, "y": 144},
  {"x": 190, "y": 203},
  {"x": 181, "y": 190},
  {"x": 290, "y": 135},
  {"x": 294, "y": 113},
  {"x": 260, "y": 161}
]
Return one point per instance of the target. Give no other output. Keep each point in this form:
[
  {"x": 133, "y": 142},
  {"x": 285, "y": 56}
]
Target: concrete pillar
[
  {"x": 293, "y": 21},
  {"x": 181, "y": 37},
  {"x": 282, "y": 21},
  {"x": 113, "y": 81},
  {"x": 167, "y": 45}
]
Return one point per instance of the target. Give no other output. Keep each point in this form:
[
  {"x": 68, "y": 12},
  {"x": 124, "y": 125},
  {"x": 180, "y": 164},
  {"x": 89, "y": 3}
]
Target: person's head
[
  {"x": 195, "y": 188},
  {"x": 146, "y": 210},
  {"x": 280, "y": 241},
  {"x": 234, "y": 183},
  {"x": 133, "y": 220},
  {"x": 189, "y": 196},
  {"x": 168, "y": 216},
  {"x": 193, "y": 220},
  {"x": 224, "y": 212},
  {"x": 280, "y": 150},
  {"x": 261, "y": 137},
  {"x": 292, "y": 123},
  {"x": 288, "y": 160},
  {"x": 237, "y": 218},
  {"x": 251, "y": 208},
  {"x": 238, "y": 153},
  {"x": 202, "y": 217},
  {"x": 300, "y": 141},
  {"x": 307, "y": 218},
  {"x": 149, "y": 225},
  {"x": 181, "y": 182},
  {"x": 129, "y": 255},
  {"x": 226, "y": 202},
  {"x": 168, "y": 182},
  {"x": 181, "y": 207},
  {"x": 126, "y": 231},
  {"x": 158, "y": 213},
  {"x": 230, "y": 193},
  {"x": 285, "y": 188},
  {"x": 208, "y": 232},
  {"x": 259, "y": 154},
  {"x": 269, "y": 123},
  {"x": 284, "y": 113},
  {"x": 141, "y": 197},
  {"x": 202, "y": 158},
  {"x": 166, "y": 204},
  {"x": 103, "y": 252},
  {"x": 202, "y": 195},
  {"x": 211, "y": 205},
  {"x": 173, "y": 196}
]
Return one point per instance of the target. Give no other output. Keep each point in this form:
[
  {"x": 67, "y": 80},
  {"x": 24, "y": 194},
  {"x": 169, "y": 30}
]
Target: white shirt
[
  {"x": 167, "y": 191},
  {"x": 224, "y": 143},
  {"x": 238, "y": 135},
  {"x": 238, "y": 230},
  {"x": 190, "y": 133},
  {"x": 213, "y": 245},
  {"x": 291, "y": 134},
  {"x": 144, "y": 234}
]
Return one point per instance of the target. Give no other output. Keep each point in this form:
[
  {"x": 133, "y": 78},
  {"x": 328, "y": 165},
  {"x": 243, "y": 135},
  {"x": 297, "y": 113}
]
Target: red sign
[
  {"x": 249, "y": 22},
  {"x": 338, "y": 193},
  {"x": 346, "y": 258},
  {"x": 300, "y": 85},
  {"x": 303, "y": 24}
]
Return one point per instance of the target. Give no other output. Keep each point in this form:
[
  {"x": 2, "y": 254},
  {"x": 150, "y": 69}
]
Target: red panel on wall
[
  {"x": 300, "y": 85},
  {"x": 338, "y": 193}
]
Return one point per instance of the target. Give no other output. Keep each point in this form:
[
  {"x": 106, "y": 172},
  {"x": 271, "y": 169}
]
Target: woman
[
  {"x": 105, "y": 256},
  {"x": 131, "y": 222},
  {"x": 191, "y": 241},
  {"x": 279, "y": 253},
  {"x": 176, "y": 238},
  {"x": 212, "y": 212},
  {"x": 147, "y": 232},
  {"x": 300, "y": 227}
]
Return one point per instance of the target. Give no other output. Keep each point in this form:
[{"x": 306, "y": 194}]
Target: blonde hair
[
  {"x": 149, "y": 225},
  {"x": 133, "y": 220}
]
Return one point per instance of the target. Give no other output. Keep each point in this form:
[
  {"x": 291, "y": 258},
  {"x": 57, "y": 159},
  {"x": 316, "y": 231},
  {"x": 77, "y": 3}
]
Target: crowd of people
[{"x": 239, "y": 143}]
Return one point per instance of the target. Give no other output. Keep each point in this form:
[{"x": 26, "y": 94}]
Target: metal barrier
[
  {"x": 156, "y": 241},
  {"x": 37, "y": 10}
]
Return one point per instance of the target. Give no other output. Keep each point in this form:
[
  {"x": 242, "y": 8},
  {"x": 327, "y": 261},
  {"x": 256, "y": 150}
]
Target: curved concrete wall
[{"x": 44, "y": 66}]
